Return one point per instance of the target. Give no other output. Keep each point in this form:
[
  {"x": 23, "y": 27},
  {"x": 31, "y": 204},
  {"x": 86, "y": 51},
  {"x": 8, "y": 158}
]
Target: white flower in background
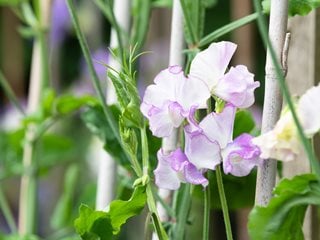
[{"x": 283, "y": 143}]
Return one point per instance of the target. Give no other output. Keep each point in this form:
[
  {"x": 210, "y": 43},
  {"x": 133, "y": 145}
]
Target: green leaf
[
  {"x": 283, "y": 217},
  {"x": 103, "y": 225},
  {"x": 121, "y": 210},
  {"x": 93, "y": 225},
  {"x": 141, "y": 14},
  {"x": 18, "y": 237},
  {"x": 69, "y": 103},
  {"x": 296, "y": 7},
  {"x": 96, "y": 122},
  {"x": 244, "y": 123},
  {"x": 194, "y": 15}
]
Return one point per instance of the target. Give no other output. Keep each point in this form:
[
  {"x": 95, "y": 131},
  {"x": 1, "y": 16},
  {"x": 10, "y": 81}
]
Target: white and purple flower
[
  {"x": 236, "y": 86},
  {"x": 211, "y": 143},
  {"x": 171, "y": 99},
  {"x": 174, "y": 168}
]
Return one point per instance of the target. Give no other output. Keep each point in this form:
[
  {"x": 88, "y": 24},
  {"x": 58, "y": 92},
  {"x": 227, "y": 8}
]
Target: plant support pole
[
  {"x": 107, "y": 172},
  {"x": 38, "y": 76},
  {"x": 175, "y": 58},
  {"x": 273, "y": 98}
]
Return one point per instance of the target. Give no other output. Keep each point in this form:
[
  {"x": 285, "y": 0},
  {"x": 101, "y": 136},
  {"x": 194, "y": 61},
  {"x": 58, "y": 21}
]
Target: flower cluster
[{"x": 173, "y": 100}]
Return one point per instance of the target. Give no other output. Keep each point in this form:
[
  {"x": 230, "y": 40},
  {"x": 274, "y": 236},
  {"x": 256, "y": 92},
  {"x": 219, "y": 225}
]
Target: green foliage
[
  {"x": 162, "y": 3},
  {"x": 95, "y": 120},
  {"x": 53, "y": 149},
  {"x": 103, "y": 225},
  {"x": 244, "y": 123},
  {"x": 10, "y": 2},
  {"x": 141, "y": 10},
  {"x": 239, "y": 191},
  {"x": 18, "y": 237},
  {"x": 283, "y": 217},
  {"x": 194, "y": 15},
  {"x": 63, "y": 210},
  {"x": 296, "y": 7}
]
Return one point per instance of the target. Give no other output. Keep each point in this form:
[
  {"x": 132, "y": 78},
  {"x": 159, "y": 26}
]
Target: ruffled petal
[
  {"x": 194, "y": 176},
  {"x": 165, "y": 176},
  {"x": 201, "y": 151},
  {"x": 167, "y": 83},
  {"x": 240, "y": 156},
  {"x": 175, "y": 112},
  {"x": 210, "y": 65},
  {"x": 309, "y": 111},
  {"x": 237, "y": 87},
  {"x": 218, "y": 127}
]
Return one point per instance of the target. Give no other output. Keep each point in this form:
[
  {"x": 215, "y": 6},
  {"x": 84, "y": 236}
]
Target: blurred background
[{"x": 67, "y": 165}]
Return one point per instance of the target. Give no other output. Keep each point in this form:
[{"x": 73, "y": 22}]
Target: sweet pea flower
[
  {"x": 210, "y": 143},
  {"x": 174, "y": 168},
  {"x": 171, "y": 99},
  {"x": 282, "y": 142},
  {"x": 236, "y": 86}
]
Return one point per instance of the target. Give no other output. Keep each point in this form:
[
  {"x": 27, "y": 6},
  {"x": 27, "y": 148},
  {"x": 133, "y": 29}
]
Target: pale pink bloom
[
  {"x": 236, "y": 86},
  {"x": 171, "y": 99}
]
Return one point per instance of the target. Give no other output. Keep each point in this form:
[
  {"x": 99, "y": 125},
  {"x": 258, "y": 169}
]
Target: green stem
[
  {"x": 188, "y": 22},
  {"x": 9, "y": 93},
  {"x": 150, "y": 199},
  {"x": 265, "y": 37},
  {"x": 224, "y": 204},
  {"x": 206, "y": 213},
  {"x": 4, "y": 206},
  {"x": 183, "y": 211},
  {"x": 93, "y": 74},
  {"x": 226, "y": 29}
]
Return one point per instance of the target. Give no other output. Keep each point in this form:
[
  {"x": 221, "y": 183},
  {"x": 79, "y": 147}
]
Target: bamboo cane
[
  {"x": 107, "y": 166},
  {"x": 272, "y": 99}
]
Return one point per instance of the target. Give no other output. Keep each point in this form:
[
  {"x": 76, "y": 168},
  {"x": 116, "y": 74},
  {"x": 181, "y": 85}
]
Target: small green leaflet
[
  {"x": 296, "y": 7},
  {"x": 283, "y": 217},
  {"x": 100, "y": 225}
]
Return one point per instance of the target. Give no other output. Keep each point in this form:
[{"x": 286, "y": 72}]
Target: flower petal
[
  {"x": 194, "y": 176},
  {"x": 210, "y": 65},
  {"x": 240, "y": 156},
  {"x": 219, "y": 126},
  {"x": 201, "y": 151},
  {"x": 193, "y": 93},
  {"x": 165, "y": 176},
  {"x": 237, "y": 87},
  {"x": 160, "y": 122},
  {"x": 309, "y": 111}
]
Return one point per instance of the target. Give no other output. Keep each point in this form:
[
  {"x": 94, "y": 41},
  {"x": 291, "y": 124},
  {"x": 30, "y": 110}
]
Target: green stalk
[
  {"x": 265, "y": 37},
  {"x": 93, "y": 74},
  {"x": 9, "y": 93},
  {"x": 227, "y": 28},
  {"x": 206, "y": 213},
  {"x": 183, "y": 211},
  {"x": 39, "y": 74},
  {"x": 188, "y": 22},
  {"x": 4, "y": 206},
  {"x": 150, "y": 199},
  {"x": 223, "y": 201}
]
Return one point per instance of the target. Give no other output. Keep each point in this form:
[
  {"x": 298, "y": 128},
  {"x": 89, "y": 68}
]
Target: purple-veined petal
[
  {"x": 309, "y": 111},
  {"x": 165, "y": 176},
  {"x": 237, "y": 87},
  {"x": 177, "y": 160},
  {"x": 194, "y": 176},
  {"x": 240, "y": 156},
  {"x": 219, "y": 126},
  {"x": 201, "y": 151},
  {"x": 210, "y": 65}
]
